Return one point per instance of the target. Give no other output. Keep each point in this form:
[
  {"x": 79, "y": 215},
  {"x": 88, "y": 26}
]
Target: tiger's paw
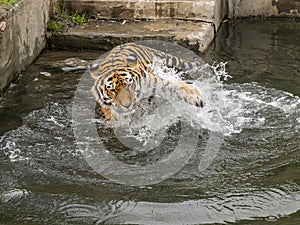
[{"x": 191, "y": 94}]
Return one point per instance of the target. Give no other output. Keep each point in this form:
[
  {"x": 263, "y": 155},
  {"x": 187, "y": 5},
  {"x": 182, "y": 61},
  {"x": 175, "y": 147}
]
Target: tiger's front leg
[
  {"x": 108, "y": 113},
  {"x": 180, "y": 90}
]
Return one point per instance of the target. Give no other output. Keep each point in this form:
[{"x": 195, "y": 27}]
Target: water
[{"x": 252, "y": 179}]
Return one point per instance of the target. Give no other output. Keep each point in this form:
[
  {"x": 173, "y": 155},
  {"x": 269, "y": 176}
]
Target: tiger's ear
[{"x": 93, "y": 68}]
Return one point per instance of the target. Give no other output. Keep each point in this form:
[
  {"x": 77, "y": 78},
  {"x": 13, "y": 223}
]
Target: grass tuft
[
  {"x": 56, "y": 27},
  {"x": 78, "y": 18},
  {"x": 9, "y": 2},
  {"x": 63, "y": 20}
]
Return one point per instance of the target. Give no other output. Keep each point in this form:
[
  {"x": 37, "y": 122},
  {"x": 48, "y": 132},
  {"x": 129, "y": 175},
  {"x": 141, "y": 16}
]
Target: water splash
[
  {"x": 229, "y": 110},
  {"x": 46, "y": 134},
  {"x": 252, "y": 106},
  {"x": 167, "y": 111}
]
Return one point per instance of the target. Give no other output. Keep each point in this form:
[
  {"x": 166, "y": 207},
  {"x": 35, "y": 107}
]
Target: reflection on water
[
  {"x": 265, "y": 51},
  {"x": 256, "y": 175}
]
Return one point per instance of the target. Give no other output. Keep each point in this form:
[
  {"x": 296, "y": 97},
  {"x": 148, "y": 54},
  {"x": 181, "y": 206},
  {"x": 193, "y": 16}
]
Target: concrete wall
[
  {"x": 22, "y": 29},
  {"x": 276, "y": 8},
  {"x": 22, "y": 37},
  {"x": 212, "y": 11}
]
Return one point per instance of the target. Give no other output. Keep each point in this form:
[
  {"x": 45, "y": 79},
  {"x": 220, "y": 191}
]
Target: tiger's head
[{"x": 117, "y": 90}]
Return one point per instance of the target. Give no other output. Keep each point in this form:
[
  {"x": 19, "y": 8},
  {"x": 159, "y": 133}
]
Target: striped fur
[{"x": 124, "y": 75}]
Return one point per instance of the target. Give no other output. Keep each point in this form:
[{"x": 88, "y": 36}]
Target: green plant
[
  {"x": 9, "y": 2},
  {"x": 62, "y": 19},
  {"x": 62, "y": 10},
  {"x": 56, "y": 27},
  {"x": 78, "y": 18}
]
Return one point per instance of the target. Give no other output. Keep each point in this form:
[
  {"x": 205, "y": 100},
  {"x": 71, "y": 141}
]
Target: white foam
[{"x": 230, "y": 108}]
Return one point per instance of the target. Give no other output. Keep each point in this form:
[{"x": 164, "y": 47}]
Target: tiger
[{"x": 125, "y": 72}]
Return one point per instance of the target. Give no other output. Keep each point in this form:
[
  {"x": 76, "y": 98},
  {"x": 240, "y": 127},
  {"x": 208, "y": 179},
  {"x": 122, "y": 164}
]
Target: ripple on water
[
  {"x": 14, "y": 195},
  {"x": 230, "y": 207},
  {"x": 262, "y": 139},
  {"x": 239, "y": 204}
]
